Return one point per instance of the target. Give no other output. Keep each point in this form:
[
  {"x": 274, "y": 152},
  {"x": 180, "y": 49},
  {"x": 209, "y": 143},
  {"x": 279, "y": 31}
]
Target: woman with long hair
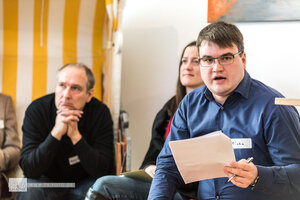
[{"x": 115, "y": 187}]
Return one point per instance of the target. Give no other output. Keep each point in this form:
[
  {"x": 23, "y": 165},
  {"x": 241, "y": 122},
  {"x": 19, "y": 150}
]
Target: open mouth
[{"x": 217, "y": 78}]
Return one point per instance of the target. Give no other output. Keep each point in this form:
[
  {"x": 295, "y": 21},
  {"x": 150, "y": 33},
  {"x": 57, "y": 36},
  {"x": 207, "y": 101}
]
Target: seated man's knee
[
  {"x": 99, "y": 190},
  {"x": 103, "y": 183}
]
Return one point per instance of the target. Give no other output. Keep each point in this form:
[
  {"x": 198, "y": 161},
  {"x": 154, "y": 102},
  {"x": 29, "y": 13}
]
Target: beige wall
[{"x": 154, "y": 34}]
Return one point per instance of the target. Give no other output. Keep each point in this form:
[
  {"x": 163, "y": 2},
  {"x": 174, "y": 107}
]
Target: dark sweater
[{"x": 42, "y": 154}]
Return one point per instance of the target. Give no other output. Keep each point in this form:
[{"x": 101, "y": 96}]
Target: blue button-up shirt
[{"x": 249, "y": 112}]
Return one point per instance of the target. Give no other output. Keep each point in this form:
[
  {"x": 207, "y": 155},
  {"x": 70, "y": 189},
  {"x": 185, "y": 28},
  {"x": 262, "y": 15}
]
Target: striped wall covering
[{"x": 39, "y": 36}]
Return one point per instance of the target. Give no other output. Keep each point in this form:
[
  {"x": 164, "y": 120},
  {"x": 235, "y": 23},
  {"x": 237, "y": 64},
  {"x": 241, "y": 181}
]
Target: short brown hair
[{"x": 223, "y": 34}]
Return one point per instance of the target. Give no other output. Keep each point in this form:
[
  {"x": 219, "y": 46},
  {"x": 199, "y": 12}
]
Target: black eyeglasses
[{"x": 223, "y": 60}]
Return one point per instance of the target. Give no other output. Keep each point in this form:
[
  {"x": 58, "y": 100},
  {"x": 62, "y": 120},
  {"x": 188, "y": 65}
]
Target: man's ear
[
  {"x": 90, "y": 94},
  {"x": 244, "y": 59}
]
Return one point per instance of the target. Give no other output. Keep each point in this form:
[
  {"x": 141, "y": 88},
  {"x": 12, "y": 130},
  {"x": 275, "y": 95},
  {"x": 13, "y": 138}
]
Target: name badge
[
  {"x": 1, "y": 123},
  {"x": 73, "y": 160},
  {"x": 241, "y": 143}
]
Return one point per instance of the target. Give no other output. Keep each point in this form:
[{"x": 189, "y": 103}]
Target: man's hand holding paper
[{"x": 203, "y": 157}]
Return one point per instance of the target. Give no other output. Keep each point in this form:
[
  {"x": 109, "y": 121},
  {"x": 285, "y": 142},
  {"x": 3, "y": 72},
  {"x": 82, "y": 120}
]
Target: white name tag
[
  {"x": 241, "y": 143},
  {"x": 1, "y": 123},
  {"x": 73, "y": 160}
]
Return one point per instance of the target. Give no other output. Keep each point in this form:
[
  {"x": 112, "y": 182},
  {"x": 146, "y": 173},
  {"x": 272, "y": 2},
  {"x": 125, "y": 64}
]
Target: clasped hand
[{"x": 66, "y": 123}]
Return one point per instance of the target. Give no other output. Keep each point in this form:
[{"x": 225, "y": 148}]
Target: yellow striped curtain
[{"x": 39, "y": 36}]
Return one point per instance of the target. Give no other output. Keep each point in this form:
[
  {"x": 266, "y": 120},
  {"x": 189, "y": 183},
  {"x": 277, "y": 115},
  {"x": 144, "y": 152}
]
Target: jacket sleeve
[
  {"x": 10, "y": 150},
  {"x": 39, "y": 146},
  {"x": 157, "y": 139},
  {"x": 97, "y": 155}
]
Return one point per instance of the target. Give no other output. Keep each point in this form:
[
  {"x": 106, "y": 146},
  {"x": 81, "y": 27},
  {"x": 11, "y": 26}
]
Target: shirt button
[
  {"x": 222, "y": 108},
  {"x": 217, "y": 197}
]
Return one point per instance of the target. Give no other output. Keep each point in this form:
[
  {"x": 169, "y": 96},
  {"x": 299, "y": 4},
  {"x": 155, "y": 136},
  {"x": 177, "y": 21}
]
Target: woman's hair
[{"x": 173, "y": 103}]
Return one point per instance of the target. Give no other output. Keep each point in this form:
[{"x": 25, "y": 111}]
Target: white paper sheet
[{"x": 202, "y": 157}]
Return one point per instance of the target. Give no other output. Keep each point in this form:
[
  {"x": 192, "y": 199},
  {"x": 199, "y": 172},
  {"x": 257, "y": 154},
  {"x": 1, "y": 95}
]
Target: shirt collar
[{"x": 243, "y": 88}]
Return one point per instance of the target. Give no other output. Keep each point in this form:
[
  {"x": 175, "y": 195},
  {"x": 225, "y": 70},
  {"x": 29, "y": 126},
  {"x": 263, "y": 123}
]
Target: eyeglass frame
[{"x": 217, "y": 58}]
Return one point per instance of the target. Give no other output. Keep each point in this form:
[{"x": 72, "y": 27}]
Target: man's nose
[
  {"x": 217, "y": 66},
  {"x": 67, "y": 92}
]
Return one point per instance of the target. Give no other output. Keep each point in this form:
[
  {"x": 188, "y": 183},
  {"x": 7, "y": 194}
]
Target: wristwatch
[{"x": 254, "y": 182}]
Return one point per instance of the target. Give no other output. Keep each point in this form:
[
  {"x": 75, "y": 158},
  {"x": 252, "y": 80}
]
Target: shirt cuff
[{"x": 265, "y": 176}]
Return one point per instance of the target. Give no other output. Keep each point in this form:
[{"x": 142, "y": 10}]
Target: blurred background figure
[{"x": 10, "y": 144}]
